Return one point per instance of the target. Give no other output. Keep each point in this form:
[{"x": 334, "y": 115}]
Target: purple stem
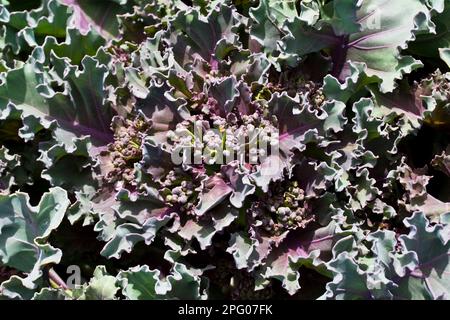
[
  {"x": 339, "y": 56},
  {"x": 57, "y": 279}
]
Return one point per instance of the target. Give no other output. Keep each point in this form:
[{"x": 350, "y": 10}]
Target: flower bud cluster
[
  {"x": 312, "y": 94},
  {"x": 217, "y": 139},
  {"x": 179, "y": 190},
  {"x": 125, "y": 151},
  {"x": 282, "y": 209}
]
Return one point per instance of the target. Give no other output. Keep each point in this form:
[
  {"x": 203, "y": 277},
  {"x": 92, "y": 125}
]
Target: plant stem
[{"x": 57, "y": 279}]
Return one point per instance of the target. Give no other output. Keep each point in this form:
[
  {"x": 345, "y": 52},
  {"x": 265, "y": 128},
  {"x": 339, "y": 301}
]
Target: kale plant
[{"x": 237, "y": 149}]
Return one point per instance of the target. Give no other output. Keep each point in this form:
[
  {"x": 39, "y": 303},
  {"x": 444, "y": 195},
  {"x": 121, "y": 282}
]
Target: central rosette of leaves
[{"x": 218, "y": 144}]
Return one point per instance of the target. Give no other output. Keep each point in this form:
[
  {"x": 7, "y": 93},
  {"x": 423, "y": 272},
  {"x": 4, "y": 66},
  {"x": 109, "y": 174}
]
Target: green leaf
[
  {"x": 79, "y": 109},
  {"x": 384, "y": 29},
  {"x": 24, "y": 227},
  {"x": 429, "y": 277},
  {"x": 427, "y": 44},
  {"x": 98, "y": 15},
  {"x": 137, "y": 220},
  {"x": 141, "y": 283},
  {"x": 8, "y": 162},
  {"x": 101, "y": 287},
  {"x": 268, "y": 20}
]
